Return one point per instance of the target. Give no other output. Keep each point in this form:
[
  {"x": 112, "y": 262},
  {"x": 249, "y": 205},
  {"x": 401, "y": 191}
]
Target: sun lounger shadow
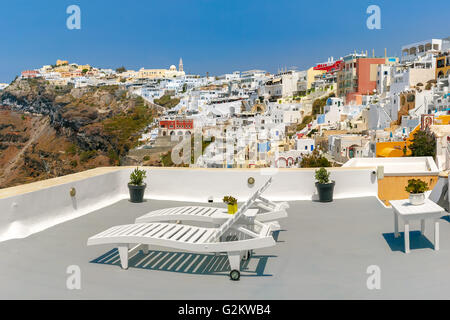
[
  {"x": 416, "y": 241},
  {"x": 186, "y": 262}
]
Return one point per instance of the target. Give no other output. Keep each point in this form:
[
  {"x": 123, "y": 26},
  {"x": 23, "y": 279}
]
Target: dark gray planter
[
  {"x": 136, "y": 193},
  {"x": 325, "y": 191}
]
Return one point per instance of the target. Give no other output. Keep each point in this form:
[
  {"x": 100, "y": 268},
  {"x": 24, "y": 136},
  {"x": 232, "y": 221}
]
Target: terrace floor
[{"x": 322, "y": 253}]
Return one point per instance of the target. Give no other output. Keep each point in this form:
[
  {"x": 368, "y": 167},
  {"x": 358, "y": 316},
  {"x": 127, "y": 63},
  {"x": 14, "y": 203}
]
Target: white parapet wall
[
  {"x": 401, "y": 166},
  {"x": 288, "y": 184},
  {"x": 31, "y": 208}
]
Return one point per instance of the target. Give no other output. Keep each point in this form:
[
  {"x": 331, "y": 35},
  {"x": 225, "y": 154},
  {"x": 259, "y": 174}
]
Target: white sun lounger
[
  {"x": 234, "y": 237},
  {"x": 271, "y": 212}
]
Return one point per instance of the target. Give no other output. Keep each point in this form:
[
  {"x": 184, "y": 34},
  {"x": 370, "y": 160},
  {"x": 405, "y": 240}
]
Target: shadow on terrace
[{"x": 186, "y": 262}]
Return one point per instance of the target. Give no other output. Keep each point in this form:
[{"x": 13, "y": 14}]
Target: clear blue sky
[{"x": 217, "y": 36}]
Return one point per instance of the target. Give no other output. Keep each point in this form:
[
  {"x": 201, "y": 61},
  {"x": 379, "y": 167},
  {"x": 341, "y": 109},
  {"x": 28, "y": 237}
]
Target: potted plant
[
  {"x": 137, "y": 185},
  {"x": 416, "y": 189},
  {"x": 324, "y": 186},
  {"x": 232, "y": 204}
]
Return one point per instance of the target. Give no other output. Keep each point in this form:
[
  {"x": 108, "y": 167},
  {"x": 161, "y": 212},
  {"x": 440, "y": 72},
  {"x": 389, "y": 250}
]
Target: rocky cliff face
[{"x": 47, "y": 131}]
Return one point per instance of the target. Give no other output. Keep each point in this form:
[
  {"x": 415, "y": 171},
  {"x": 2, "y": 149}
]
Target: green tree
[
  {"x": 423, "y": 144},
  {"x": 306, "y": 119},
  {"x": 314, "y": 160},
  {"x": 121, "y": 69}
]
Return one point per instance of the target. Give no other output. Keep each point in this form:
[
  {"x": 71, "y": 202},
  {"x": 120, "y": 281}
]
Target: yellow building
[
  {"x": 310, "y": 75},
  {"x": 442, "y": 65},
  {"x": 151, "y": 73},
  {"x": 83, "y": 67},
  {"x": 160, "y": 73},
  {"x": 61, "y": 62}
]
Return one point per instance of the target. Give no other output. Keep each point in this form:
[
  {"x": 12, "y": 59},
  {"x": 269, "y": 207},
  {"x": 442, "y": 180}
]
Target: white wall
[
  {"x": 401, "y": 166},
  {"x": 305, "y": 142},
  {"x": 28, "y": 213},
  {"x": 288, "y": 185}
]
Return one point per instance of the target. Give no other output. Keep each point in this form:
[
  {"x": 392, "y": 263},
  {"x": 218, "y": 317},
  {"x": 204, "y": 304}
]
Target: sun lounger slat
[
  {"x": 124, "y": 230},
  {"x": 187, "y": 234},
  {"x": 165, "y": 211},
  {"x": 152, "y": 227},
  {"x": 212, "y": 211},
  {"x": 195, "y": 211},
  {"x": 183, "y": 209},
  {"x": 206, "y": 236},
  {"x": 197, "y": 236},
  {"x": 178, "y": 210},
  {"x": 198, "y": 211},
  {"x": 161, "y": 211},
  {"x": 107, "y": 232},
  {"x": 182, "y": 233},
  {"x": 173, "y": 232},
  {"x": 155, "y": 230},
  {"x": 191, "y": 235},
  {"x": 203, "y": 211},
  {"x": 191, "y": 210},
  {"x": 132, "y": 230},
  {"x": 163, "y": 231},
  {"x": 170, "y": 211},
  {"x": 143, "y": 228}
]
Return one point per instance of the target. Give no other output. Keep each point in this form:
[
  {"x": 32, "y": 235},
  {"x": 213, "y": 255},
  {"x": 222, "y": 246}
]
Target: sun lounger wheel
[{"x": 235, "y": 275}]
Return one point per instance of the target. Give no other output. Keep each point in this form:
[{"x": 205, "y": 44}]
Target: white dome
[{"x": 173, "y": 68}]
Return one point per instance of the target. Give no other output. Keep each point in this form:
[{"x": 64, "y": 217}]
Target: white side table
[{"x": 408, "y": 212}]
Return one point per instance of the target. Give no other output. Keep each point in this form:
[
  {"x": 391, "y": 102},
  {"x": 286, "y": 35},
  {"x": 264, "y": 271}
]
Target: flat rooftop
[{"x": 322, "y": 252}]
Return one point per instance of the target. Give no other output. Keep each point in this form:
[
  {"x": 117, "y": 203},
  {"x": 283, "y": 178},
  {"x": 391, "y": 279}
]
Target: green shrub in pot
[
  {"x": 324, "y": 186},
  {"x": 136, "y": 185},
  {"x": 416, "y": 189}
]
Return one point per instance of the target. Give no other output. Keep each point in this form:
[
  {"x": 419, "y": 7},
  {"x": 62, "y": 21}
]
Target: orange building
[{"x": 396, "y": 148}]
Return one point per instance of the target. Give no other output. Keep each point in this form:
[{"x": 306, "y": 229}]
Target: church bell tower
[{"x": 180, "y": 66}]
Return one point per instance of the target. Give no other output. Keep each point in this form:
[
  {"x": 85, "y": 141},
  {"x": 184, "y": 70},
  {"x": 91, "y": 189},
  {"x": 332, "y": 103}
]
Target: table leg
[
  {"x": 396, "y": 234},
  {"x": 422, "y": 226},
  {"x": 436, "y": 235},
  {"x": 406, "y": 238}
]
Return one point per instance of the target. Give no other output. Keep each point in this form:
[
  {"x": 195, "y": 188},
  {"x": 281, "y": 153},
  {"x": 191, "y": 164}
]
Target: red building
[
  {"x": 176, "y": 127},
  {"x": 330, "y": 66},
  {"x": 358, "y": 77},
  {"x": 366, "y": 70}
]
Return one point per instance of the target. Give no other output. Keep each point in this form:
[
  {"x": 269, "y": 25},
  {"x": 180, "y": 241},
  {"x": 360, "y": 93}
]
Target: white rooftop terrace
[
  {"x": 322, "y": 251},
  {"x": 398, "y": 166}
]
